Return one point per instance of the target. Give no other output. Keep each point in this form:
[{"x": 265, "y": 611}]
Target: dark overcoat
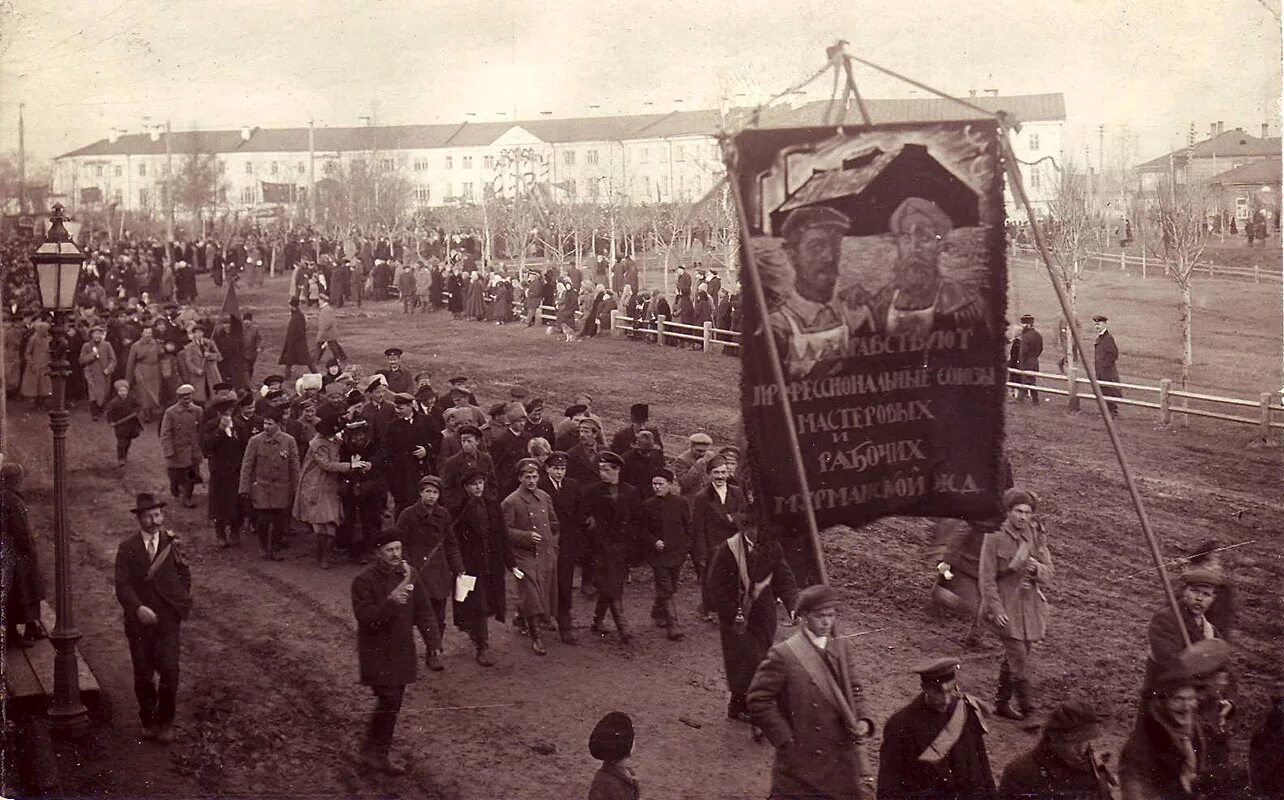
[
  {"x": 24, "y": 585},
  {"x": 667, "y": 519},
  {"x": 1041, "y": 773},
  {"x": 614, "y": 533},
  {"x": 385, "y": 629},
  {"x": 484, "y": 549},
  {"x": 401, "y": 465},
  {"x": 224, "y": 453},
  {"x": 295, "y": 350},
  {"x": 568, "y": 503},
  {"x": 428, "y": 541},
  {"x": 963, "y": 773},
  {"x": 712, "y": 520}
]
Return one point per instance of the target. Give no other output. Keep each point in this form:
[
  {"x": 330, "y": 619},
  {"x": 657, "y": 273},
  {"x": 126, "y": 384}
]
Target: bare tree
[
  {"x": 1075, "y": 216},
  {"x": 668, "y": 224},
  {"x": 517, "y": 200},
  {"x": 197, "y": 184},
  {"x": 1182, "y": 218}
]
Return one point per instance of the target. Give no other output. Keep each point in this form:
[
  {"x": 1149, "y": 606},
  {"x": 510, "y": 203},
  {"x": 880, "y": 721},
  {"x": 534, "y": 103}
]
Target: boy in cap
[
  {"x": 611, "y": 742},
  {"x": 666, "y": 528},
  {"x": 533, "y": 534},
  {"x": 935, "y": 746},
  {"x": 612, "y": 512},
  {"x": 389, "y": 602},
  {"x": 457, "y": 466},
  {"x": 567, "y": 494},
  {"x": 429, "y": 545},
  {"x": 808, "y": 702},
  {"x": 1063, "y": 763}
]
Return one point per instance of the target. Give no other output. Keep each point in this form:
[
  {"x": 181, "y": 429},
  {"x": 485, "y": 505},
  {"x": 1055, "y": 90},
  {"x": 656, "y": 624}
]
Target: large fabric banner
[{"x": 881, "y": 254}]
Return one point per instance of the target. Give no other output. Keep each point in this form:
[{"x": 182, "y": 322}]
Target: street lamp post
[{"x": 58, "y": 263}]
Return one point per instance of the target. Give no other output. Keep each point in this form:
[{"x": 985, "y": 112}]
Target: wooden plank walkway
[{"x": 29, "y": 672}]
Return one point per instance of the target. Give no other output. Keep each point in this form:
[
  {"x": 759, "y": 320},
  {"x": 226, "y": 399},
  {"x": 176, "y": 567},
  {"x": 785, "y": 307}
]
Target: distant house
[
  {"x": 1223, "y": 150},
  {"x": 1250, "y": 188}
]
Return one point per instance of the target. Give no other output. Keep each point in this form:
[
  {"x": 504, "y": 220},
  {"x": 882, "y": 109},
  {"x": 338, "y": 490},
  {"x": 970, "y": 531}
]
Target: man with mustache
[
  {"x": 811, "y": 325},
  {"x": 919, "y": 298}
]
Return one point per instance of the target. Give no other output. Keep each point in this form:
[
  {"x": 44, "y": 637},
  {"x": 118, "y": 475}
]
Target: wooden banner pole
[{"x": 773, "y": 357}]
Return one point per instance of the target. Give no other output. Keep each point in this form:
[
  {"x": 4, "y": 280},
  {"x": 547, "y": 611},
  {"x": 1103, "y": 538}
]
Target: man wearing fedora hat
[
  {"x": 1063, "y": 763},
  {"x": 153, "y": 586},
  {"x": 808, "y": 702},
  {"x": 935, "y": 746}
]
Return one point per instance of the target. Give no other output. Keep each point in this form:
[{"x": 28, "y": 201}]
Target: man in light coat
[
  {"x": 199, "y": 360},
  {"x": 808, "y": 702},
  {"x": 180, "y": 438},
  {"x": 533, "y": 534},
  {"x": 269, "y": 480},
  {"x": 98, "y": 361}
]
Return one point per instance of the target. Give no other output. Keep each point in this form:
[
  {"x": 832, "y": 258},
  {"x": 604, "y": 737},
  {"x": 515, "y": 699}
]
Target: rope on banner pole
[{"x": 773, "y": 357}]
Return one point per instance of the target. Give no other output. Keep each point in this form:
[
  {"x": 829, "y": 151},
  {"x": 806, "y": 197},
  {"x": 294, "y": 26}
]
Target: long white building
[{"x": 670, "y": 157}]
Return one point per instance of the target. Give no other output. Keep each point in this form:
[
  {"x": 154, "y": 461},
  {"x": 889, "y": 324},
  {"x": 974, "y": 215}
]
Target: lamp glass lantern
[{"x": 58, "y": 264}]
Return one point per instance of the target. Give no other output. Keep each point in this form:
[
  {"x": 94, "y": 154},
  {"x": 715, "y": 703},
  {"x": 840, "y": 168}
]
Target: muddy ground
[{"x": 270, "y": 705}]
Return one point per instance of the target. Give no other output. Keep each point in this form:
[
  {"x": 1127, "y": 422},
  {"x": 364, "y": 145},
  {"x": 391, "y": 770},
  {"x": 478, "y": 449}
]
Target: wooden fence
[
  {"x": 1147, "y": 264},
  {"x": 1268, "y": 416}
]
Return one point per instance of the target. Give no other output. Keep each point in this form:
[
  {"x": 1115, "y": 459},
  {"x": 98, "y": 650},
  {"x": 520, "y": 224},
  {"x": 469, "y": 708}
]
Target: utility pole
[
  {"x": 1101, "y": 151},
  {"x": 169, "y": 187},
  {"x": 312, "y": 174},
  {"x": 22, "y": 161}
]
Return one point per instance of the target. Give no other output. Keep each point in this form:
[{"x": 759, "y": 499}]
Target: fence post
[
  {"x": 615, "y": 321},
  {"x": 1165, "y": 410},
  {"x": 1072, "y": 387},
  {"x": 1257, "y": 273},
  {"x": 1143, "y": 262},
  {"x": 1123, "y": 260},
  {"x": 1266, "y": 416},
  {"x": 659, "y": 329},
  {"x": 708, "y": 338}
]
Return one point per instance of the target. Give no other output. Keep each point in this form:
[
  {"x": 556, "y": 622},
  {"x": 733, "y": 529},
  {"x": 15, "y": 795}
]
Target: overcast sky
[{"x": 1148, "y": 67}]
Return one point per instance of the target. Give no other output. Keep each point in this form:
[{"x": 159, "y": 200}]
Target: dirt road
[{"x": 270, "y": 704}]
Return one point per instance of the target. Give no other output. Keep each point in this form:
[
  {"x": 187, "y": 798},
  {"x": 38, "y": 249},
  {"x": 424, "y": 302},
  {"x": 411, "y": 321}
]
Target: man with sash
[
  {"x": 808, "y": 702},
  {"x": 153, "y": 585},
  {"x": 935, "y": 746},
  {"x": 746, "y": 576}
]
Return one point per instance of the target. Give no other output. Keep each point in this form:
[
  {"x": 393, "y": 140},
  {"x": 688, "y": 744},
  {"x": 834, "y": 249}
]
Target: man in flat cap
[
  {"x": 808, "y": 701},
  {"x": 613, "y": 518},
  {"x": 1063, "y": 763},
  {"x": 454, "y": 468},
  {"x": 378, "y": 410},
  {"x": 919, "y": 299},
  {"x": 572, "y": 550},
  {"x": 269, "y": 479},
  {"x": 389, "y": 601},
  {"x": 98, "y": 363},
  {"x": 667, "y": 531},
  {"x": 180, "y": 439},
  {"x": 533, "y": 534},
  {"x": 812, "y": 325},
  {"x": 1030, "y": 349},
  {"x": 688, "y": 467},
  {"x": 398, "y": 379},
  {"x": 1105, "y": 359},
  {"x": 1198, "y": 590},
  {"x": 935, "y": 746},
  {"x": 199, "y": 361}
]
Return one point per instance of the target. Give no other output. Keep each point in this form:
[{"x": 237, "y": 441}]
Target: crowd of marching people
[{"x": 448, "y": 500}]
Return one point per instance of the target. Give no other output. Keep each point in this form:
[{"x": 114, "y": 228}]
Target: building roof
[
  {"x": 1255, "y": 173},
  {"x": 1227, "y": 144},
  {"x": 697, "y": 122}
]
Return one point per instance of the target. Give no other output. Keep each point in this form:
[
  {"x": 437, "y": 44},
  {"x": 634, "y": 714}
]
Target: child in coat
[
  {"x": 611, "y": 742},
  {"x": 122, "y": 414}
]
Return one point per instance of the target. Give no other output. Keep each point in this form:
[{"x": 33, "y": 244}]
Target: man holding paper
[{"x": 533, "y": 534}]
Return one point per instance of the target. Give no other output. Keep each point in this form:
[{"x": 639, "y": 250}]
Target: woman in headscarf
[
  {"x": 455, "y": 288},
  {"x": 589, "y": 325},
  {"x": 1015, "y": 566},
  {"x": 317, "y": 501},
  {"x": 24, "y": 587}
]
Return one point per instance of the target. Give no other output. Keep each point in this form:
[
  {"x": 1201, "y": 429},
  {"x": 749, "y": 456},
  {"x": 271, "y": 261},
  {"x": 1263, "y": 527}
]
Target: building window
[
  {"x": 488, "y": 162},
  {"x": 682, "y": 187},
  {"x": 302, "y": 168},
  {"x": 450, "y": 162},
  {"x": 98, "y": 171},
  {"x": 1034, "y": 143},
  {"x": 249, "y": 167},
  {"x": 646, "y": 185},
  {"x": 1034, "y": 178},
  {"x": 117, "y": 196},
  {"x": 468, "y": 191},
  {"x": 422, "y": 195},
  {"x": 328, "y": 168},
  {"x": 142, "y": 169},
  {"x": 222, "y": 166},
  {"x": 568, "y": 158},
  {"x": 677, "y": 152},
  {"x": 450, "y": 190},
  {"x": 590, "y": 157},
  {"x": 274, "y": 165},
  {"x": 646, "y": 154},
  {"x": 1241, "y": 208},
  {"x": 142, "y": 198},
  {"x": 119, "y": 170},
  {"x": 593, "y": 187},
  {"x": 664, "y": 185},
  {"x": 387, "y": 165},
  {"x": 420, "y": 165},
  {"x": 570, "y": 188},
  {"x": 468, "y": 163},
  {"x": 247, "y": 194}
]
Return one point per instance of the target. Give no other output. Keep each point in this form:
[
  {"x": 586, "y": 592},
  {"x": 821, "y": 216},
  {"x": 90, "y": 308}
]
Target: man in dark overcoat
[
  {"x": 808, "y": 702},
  {"x": 567, "y": 503},
  {"x": 1030, "y": 350},
  {"x": 613, "y": 516},
  {"x": 224, "y": 450},
  {"x": 407, "y": 450},
  {"x": 1063, "y": 763},
  {"x": 1105, "y": 360},
  {"x": 1199, "y": 589},
  {"x": 268, "y": 481},
  {"x": 389, "y": 602},
  {"x": 935, "y": 746},
  {"x": 429, "y": 545},
  {"x": 153, "y": 586},
  {"x": 487, "y": 556},
  {"x": 666, "y": 530},
  {"x": 714, "y": 511},
  {"x": 747, "y": 575}
]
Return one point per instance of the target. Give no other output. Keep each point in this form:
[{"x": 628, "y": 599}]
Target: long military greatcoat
[
  {"x": 964, "y": 773},
  {"x": 527, "y": 512}
]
